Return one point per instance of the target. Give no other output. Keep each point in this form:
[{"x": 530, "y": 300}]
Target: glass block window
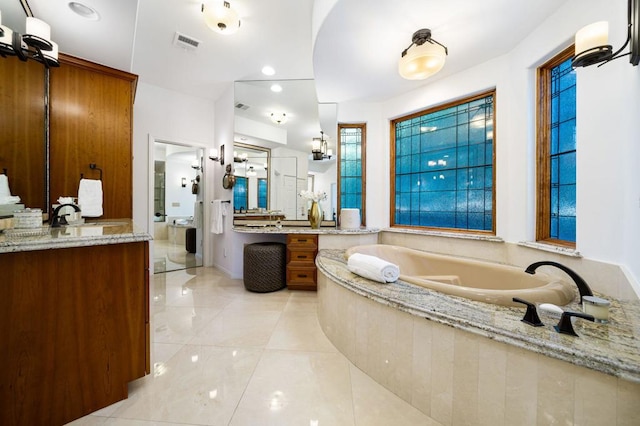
[
  {"x": 442, "y": 166},
  {"x": 557, "y": 151},
  {"x": 240, "y": 193},
  {"x": 262, "y": 193},
  {"x": 352, "y": 167}
]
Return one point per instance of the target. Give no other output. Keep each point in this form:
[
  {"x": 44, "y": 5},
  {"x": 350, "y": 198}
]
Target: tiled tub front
[{"x": 459, "y": 376}]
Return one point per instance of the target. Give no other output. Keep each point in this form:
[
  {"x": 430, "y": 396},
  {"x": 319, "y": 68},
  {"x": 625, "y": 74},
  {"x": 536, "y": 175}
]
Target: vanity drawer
[
  {"x": 300, "y": 239},
  {"x": 301, "y": 255},
  {"x": 301, "y": 278}
]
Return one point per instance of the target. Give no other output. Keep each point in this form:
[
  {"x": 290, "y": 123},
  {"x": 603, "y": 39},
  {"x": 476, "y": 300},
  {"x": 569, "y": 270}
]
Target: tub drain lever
[{"x": 531, "y": 316}]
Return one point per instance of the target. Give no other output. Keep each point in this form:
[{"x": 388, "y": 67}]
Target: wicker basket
[{"x": 265, "y": 267}]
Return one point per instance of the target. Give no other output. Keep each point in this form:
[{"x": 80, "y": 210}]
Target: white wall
[
  {"x": 608, "y": 194},
  {"x": 222, "y": 251},
  {"x": 171, "y": 117}
]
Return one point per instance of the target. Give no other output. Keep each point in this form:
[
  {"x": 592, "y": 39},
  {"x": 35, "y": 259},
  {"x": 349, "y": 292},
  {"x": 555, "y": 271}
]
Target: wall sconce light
[
  {"x": 34, "y": 44},
  {"x": 279, "y": 117},
  {"x": 592, "y": 41},
  {"x": 251, "y": 171},
  {"x": 213, "y": 155},
  {"x": 220, "y": 18},
  {"x": 184, "y": 182},
  {"x": 425, "y": 59},
  {"x": 319, "y": 148},
  {"x": 196, "y": 165}
]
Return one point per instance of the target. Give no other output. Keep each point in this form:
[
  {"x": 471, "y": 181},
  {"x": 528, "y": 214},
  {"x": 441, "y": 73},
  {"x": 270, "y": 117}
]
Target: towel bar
[{"x": 92, "y": 166}]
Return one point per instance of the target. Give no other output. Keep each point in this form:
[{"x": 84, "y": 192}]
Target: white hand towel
[
  {"x": 5, "y": 192},
  {"x": 217, "y": 208},
  {"x": 373, "y": 268},
  {"x": 90, "y": 197},
  {"x": 4, "y": 186}
]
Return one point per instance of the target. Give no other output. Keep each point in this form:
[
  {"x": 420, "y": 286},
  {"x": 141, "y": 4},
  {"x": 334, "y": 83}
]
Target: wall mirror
[
  {"x": 23, "y": 146},
  {"x": 282, "y": 118}
]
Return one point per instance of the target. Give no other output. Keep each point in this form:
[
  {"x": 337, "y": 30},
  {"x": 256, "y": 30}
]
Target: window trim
[
  {"x": 543, "y": 147},
  {"x": 363, "y": 158},
  {"x": 392, "y": 167}
]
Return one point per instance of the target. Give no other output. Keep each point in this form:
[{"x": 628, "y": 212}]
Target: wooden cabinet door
[{"x": 91, "y": 123}]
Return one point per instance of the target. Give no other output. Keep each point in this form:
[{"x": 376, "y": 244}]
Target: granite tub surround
[
  {"x": 94, "y": 233},
  {"x": 464, "y": 362}
]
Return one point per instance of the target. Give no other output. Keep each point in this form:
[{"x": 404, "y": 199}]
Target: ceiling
[{"x": 353, "y": 56}]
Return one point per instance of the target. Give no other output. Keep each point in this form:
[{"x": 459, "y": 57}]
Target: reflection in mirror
[
  {"x": 250, "y": 167},
  {"x": 22, "y": 133},
  {"x": 286, "y": 122}
]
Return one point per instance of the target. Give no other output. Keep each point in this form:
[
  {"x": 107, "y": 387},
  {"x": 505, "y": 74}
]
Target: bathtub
[{"x": 476, "y": 280}]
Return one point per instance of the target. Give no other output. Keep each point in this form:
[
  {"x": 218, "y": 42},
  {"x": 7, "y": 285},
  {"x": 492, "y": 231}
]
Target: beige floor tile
[
  {"x": 299, "y": 331},
  {"x": 179, "y": 324},
  {"x": 233, "y": 328},
  {"x": 298, "y": 388},
  {"x": 198, "y": 385},
  {"x": 376, "y": 406}
]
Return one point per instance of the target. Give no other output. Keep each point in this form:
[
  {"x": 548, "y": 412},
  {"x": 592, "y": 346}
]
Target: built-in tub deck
[{"x": 612, "y": 348}]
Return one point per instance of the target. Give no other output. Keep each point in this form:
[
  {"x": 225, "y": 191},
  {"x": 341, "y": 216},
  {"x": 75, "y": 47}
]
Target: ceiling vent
[
  {"x": 242, "y": 106},
  {"x": 185, "y": 41}
]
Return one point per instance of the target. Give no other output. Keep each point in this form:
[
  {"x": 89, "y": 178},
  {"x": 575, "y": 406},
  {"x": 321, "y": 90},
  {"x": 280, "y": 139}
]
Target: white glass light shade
[
  {"x": 220, "y": 18},
  {"x": 316, "y": 144},
  {"x": 213, "y": 152},
  {"x": 592, "y": 36},
  {"x": 38, "y": 28},
  {"x": 329, "y": 152},
  {"x": 6, "y": 40},
  {"x": 421, "y": 62}
]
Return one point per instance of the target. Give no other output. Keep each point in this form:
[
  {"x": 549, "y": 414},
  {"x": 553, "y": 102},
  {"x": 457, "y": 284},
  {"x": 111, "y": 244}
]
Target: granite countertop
[
  {"x": 262, "y": 229},
  {"x": 92, "y": 233},
  {"x": 612, "y": 348}
]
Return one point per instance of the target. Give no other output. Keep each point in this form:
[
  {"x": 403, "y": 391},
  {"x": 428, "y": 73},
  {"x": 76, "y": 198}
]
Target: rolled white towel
[{"x": 373, "y": 268}]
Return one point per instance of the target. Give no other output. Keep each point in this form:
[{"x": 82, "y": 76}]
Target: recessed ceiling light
[
  {"x": 267, "y": 70},
  {"x": 84, "y": 11},
  {"x": 276, "y": 88}
]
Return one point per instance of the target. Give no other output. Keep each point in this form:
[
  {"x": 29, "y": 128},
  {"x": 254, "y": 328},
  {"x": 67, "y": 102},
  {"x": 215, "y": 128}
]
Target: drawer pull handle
[
  {"x": 302, "y": 275},
  {"x": 301, "y": 256}
]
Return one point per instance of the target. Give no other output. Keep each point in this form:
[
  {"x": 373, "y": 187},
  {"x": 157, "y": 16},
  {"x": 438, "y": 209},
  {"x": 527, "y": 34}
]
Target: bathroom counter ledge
[
  {"x": 612, "y": 348},
  {"x": 303, "y": 230},
  {"x": 114, "y": 231}
]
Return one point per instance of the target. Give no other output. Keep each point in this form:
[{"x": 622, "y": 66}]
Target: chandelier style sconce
[
  {"x": 279, "y": 117},
  {"x": 34, "y": 44},
  {"x": 423, "y": 58},
  {"x": 251, "y": 171},
  {"x": 220, "y": 17},
  {"x": 319, "y": 148},
  {"x": 592, "y": 42}
]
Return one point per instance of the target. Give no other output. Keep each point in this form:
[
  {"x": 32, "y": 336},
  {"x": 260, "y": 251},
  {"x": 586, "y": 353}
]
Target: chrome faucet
[
  {"x": 583, "y": 288},
  {"x": 58, "y": 220}
]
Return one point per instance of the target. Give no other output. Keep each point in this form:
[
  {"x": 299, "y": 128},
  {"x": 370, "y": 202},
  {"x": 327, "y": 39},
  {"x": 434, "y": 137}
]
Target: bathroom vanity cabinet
[
  {"x": 74, "y": 329},
  {"x": 301, "y": 256}
]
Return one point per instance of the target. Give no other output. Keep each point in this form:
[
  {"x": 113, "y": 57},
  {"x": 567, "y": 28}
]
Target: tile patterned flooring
[
  {"x": 172, "y": 257},
  {"x": 225, "y": 356}
]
